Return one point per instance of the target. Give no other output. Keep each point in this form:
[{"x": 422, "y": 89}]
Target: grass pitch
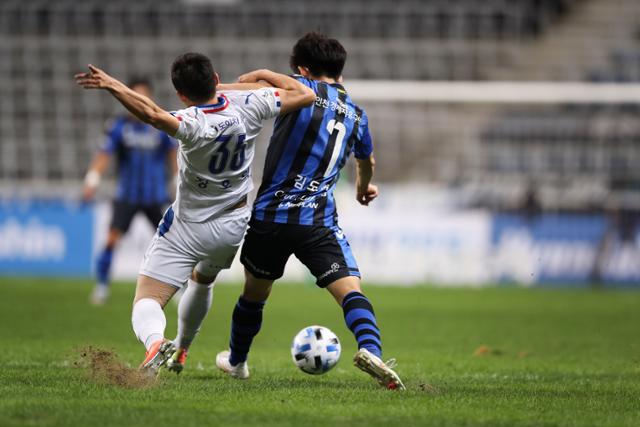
[{"x": 505, "y": 357}]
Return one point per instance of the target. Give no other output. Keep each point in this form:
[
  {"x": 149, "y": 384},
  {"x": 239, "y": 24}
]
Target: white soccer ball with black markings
[{"x": 315, "y": 350}]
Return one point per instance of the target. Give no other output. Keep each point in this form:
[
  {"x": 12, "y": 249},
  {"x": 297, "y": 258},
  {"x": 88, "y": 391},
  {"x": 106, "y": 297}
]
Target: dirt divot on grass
[
  {"x": 104, "y": 366},
  {"x": 484, "y": 350},
  {"x": 429, "y": 388}
]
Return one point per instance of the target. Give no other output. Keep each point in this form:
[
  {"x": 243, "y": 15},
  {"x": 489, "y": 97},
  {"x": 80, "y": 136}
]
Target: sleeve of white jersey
[
  {"x": 190, "y": 128},
  {"x": 262, "y": 104}
]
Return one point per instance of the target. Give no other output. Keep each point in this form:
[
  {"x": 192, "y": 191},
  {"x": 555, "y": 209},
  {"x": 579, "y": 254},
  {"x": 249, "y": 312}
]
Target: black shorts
[
  {"x": 325, "y": 251},
  {"x": 123, "y": 213}
]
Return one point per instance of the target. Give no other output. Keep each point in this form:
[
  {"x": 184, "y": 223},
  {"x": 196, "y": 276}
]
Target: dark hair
[
  {"x": 139, "y": 80},
  {"x": 192, "y": 75},
  {"x": 322, "y": 55}
]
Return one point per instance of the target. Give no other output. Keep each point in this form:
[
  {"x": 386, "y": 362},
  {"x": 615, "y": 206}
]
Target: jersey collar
[
  {"x": 339, "y": 87},
  {"x": 222, "y": 103}
]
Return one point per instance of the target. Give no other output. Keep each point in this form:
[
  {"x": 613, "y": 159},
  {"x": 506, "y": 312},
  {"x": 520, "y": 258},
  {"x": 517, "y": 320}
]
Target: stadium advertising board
[
  {"x": 45, "y": 238},
  {"x": 403, "y": 239},
  {"x": 130, "y": 250},
  {"x": 397, "y": 243},
  {"x": 407, "y": 241},
  {"x": 436, "y": 248},
  {"x": 567, "y": 249}
]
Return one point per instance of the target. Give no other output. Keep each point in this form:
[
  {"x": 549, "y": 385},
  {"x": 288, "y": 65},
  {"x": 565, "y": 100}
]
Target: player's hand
[
  {"x": 88, "y": 193},
  {"x": 251, "y": 77},
  {"x": 366, "y": 196},
  {"x": 95, "y": 79}
]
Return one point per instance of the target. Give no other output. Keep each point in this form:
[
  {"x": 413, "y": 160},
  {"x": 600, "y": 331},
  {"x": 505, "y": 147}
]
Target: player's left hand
[
  {"x": 94, "y": 79},
  {"x": 366, "y": 196}
]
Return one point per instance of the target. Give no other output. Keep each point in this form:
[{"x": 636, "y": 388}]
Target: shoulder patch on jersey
[{"x": 271, "y": 94}]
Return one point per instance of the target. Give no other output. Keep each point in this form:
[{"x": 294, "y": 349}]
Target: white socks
[
  {"x": 148, "y": 321},
  {"x": 193, "y": 308}
]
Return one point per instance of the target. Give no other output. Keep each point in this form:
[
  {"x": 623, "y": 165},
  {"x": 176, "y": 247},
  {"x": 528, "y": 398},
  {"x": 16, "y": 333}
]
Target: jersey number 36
[{"x": 223, "y": 158}]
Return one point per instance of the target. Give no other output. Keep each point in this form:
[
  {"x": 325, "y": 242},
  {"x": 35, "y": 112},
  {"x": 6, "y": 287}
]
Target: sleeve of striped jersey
[
  {"x": 263, "y": 105},
  {"x": 189, "y": 129},
  {"x": 363, "y": 146},
  {"x": 113, "y": 137}
]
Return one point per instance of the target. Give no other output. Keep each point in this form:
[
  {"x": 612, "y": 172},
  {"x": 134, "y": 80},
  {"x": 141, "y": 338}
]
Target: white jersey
[{"x": 216, "y": 151}]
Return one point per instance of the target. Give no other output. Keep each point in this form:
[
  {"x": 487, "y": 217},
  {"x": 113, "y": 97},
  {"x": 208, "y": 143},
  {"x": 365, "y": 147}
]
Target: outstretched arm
[
  {"x": 139, "y": 105},
  {"x": 293, "y": 94},
  {"x": 365, "y": 191}
]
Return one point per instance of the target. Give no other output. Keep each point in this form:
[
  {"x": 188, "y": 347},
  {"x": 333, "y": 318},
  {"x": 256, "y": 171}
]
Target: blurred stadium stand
[{"x": 50, "y": 129}]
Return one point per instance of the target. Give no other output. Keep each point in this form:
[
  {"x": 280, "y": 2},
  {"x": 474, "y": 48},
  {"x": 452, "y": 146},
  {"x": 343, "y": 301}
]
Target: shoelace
[{"x": 391, "y": 363}]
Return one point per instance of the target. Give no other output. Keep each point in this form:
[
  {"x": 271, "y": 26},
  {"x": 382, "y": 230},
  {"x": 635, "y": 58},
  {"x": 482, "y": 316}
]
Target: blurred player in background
[
  {"x": 295, "y": 212},
  {"x": 146, "y": 157},
  {"x": 201, "y": 232}
]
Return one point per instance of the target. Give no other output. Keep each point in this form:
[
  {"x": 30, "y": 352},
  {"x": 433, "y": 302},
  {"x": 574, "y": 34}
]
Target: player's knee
[
  {"x": 202, "y": 279},
  {"x": 205, "y": 272},
  {"x": 256, "y": 289}
]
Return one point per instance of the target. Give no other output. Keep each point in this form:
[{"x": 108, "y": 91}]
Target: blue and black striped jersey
[
  {"x": 308, "y": 149},
  {"x": 141, "y": 152}
]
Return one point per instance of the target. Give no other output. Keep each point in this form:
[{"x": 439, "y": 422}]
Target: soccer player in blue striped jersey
[
  {"x": 146, "y": 162},
  {"x": 295, "y": 211}
]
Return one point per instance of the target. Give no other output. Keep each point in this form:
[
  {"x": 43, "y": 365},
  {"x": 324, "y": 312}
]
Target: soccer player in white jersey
[{"x": 200, "y": 233}]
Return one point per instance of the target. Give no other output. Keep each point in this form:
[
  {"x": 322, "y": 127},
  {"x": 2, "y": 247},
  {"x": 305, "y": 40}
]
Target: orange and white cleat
[
  {"x": 379, "y": 370},
  {"x": 177, "y": 361},
  {"x": 157, "y": 356}
]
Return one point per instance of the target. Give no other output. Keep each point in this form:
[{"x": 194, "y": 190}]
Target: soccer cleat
[
  {"x": 99, "y": 295},
  {"x": 177, "y": 361},
  {"x": 157, "y": 356},
  {"x": 380, "y": 371},
  {"x": 240, "y": 371}
]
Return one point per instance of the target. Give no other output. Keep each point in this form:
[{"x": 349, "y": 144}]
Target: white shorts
[{"x": 178, "y": 246}]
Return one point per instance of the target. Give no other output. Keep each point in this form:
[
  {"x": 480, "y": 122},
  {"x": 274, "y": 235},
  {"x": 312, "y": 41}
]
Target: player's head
[
  {"x": 316, "y": 55},
  {"x": 140, "y": 84},
  {"x": 194, "y": 78}
]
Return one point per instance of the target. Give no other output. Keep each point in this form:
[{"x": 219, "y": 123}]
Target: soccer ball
[{"x": 315, "y": 350}]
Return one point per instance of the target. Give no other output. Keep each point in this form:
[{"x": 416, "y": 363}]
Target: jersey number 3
[{"x": 220, "y": 160}]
